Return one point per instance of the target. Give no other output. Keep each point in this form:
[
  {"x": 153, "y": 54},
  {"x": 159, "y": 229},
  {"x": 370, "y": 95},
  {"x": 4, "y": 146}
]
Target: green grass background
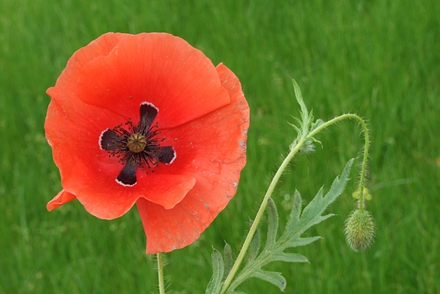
[{"x": 380, "y": 59}]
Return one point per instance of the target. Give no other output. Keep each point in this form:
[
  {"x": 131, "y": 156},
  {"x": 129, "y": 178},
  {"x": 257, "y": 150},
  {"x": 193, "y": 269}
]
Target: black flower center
[{"x": 137, "y": 146}]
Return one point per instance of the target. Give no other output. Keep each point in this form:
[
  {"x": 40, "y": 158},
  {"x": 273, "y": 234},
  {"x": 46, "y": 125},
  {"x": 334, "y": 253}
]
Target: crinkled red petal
[
  {"x": 157, "y": 67},
  {"x": 61, "y": 198},
  {"x": 213, "y": 150},
  {"x": 99, "y": 47}
]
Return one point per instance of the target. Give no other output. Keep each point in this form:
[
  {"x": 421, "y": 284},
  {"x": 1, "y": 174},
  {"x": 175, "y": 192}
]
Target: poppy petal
[
  {"x": 159, "y": 68},
  {"x": 61, "y": 198},
  {"x": 109, "y": 201},
  {"x": 99, "y": 47},
  {"x": 217, "y": 171}
]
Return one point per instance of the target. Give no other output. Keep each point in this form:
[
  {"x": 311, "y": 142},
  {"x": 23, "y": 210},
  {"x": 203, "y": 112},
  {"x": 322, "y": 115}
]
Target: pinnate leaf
[
  {"x": 275, "y": 249},
  {"x": 228, "y": 260},
  {"x": 254, "y": 247},
  {"x": 215, "y": 284},
  {"x": 272, "y": 277}
]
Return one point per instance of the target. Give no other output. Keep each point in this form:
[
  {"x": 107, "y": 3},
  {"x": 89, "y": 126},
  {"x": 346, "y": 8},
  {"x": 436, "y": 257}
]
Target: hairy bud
[{"x": 359, "y": 229}]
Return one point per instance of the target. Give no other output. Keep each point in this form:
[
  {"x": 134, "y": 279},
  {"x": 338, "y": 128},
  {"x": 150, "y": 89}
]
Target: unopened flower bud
[{"x": 359, "y": 229}]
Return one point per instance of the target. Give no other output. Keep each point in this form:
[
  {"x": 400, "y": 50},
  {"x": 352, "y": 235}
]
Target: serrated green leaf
[
  {"x": 296, "y": 128},
  {"x": 305, "y": 120},
  {"x": 315, "y": 206},
  {"x": 274, "y": 278},
  {"x": 317, "y": 141},
  {"x": 289, "y": 257},
  {"x": 254, "y": 247},
  {"x": 228, "y": 259},
  {"x": 272, "y": 223},
  {"x": 215, "y": 283},
  {"x": 298, "y": 222},
  {"x": 311, "y": 214},
  {"x": 296, "y": 241},
  {"x": 316, "y": 124},
  {"x": 295, "y": 212}
]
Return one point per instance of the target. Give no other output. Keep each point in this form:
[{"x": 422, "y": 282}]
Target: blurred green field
[{"x": 380, "y": 59}]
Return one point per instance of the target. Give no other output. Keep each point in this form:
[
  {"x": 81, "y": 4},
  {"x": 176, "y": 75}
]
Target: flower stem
[
  {"x": 160, "y": 273},
  {"x": 365, "y": 151},
  {"x": 294, "y": 148},
  {"x": 259, "y": 215}
]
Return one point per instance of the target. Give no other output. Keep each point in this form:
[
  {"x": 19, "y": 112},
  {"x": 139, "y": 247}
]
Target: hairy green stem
[
  {"x": 294, "y": 148},
  {"x": 259, "y": 215},
  {"x": 160, "y": 273},
  {"x": 365, "y": 151}
]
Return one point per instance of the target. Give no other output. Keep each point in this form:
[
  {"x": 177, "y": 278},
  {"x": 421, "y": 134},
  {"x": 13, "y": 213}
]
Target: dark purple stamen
[{"x": 137, "y": 146}]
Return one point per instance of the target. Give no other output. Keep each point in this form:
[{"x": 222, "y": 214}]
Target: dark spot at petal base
[
  {"x": 127, "y": 177},
  {"x": 166, "y": 154},
  {"x": 108, "y": 140},
  {"x": 148, "y": 113}
]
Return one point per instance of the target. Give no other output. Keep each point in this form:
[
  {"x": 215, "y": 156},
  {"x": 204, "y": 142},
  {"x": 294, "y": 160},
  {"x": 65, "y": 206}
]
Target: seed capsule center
[{"x": 136, "y": 142}]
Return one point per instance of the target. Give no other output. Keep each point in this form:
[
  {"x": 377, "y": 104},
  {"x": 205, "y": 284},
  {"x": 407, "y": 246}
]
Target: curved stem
[
  {"x": 160, "y": 273},
  {"x": 295, "y": 147},
  {"x": 366, "y": 148}
]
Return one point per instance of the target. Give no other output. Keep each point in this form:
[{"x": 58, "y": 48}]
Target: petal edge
[{"x": 61, "y": 198}]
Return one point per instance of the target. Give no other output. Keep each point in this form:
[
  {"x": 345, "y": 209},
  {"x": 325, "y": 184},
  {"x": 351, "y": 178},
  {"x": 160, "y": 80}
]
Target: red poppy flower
[{"x": 148, "y": 119}]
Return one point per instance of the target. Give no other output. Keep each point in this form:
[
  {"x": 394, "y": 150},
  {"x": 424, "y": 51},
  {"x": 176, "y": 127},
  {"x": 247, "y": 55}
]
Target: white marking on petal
[
  {"x": 100, "y": 139},
  {"x": 150, "y": 104},
  {"x": 125, "y": 185},
  {"x": 174, "y": 157}
]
